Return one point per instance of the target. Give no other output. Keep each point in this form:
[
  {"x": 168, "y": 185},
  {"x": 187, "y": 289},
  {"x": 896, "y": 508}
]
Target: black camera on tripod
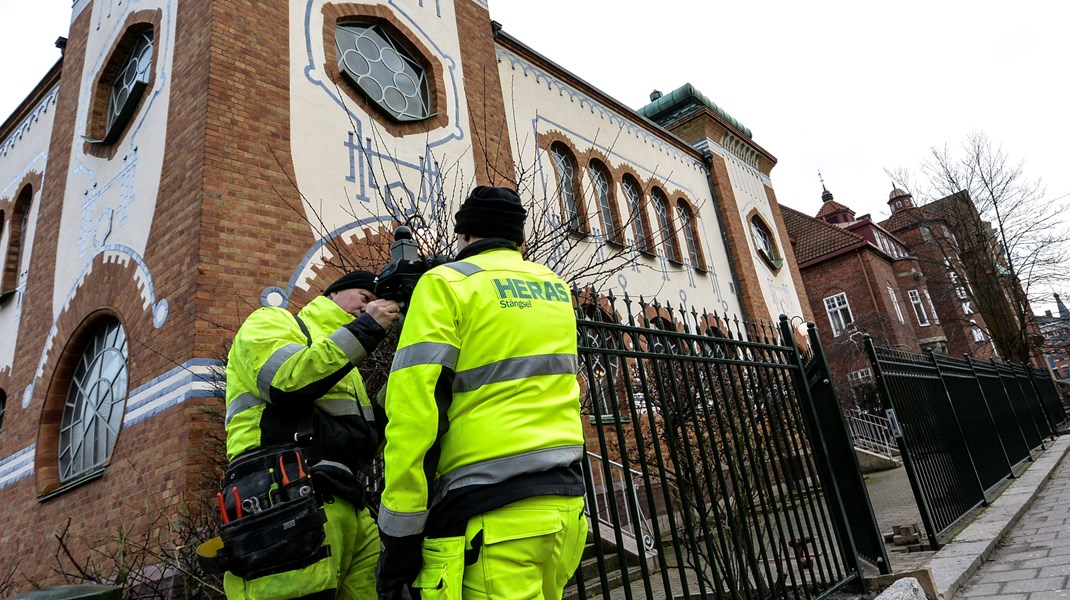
[{"x": 397, "y": 280}]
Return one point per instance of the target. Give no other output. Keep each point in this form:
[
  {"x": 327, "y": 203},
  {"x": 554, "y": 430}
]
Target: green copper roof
[{"x": 683, "y": 101}]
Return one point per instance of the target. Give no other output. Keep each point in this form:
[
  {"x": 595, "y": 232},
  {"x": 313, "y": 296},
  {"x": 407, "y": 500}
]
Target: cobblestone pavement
[
  {"x": 1033, "y": 561},
  {"x": 894, "y": 504}
]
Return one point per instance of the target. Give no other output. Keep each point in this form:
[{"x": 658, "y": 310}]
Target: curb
[{"x": 953, "y": 564}]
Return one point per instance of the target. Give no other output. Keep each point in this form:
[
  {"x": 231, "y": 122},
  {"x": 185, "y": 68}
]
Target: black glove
[{"x": 399, "y": 563}]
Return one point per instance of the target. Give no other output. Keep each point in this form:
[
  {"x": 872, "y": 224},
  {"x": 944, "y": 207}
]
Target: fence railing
[
  {"x": 624, "y": 485},
  {"x": 872, "y": 432},
  {"x": 706, "y": 430},
  {"x": 961, "y": 425}
]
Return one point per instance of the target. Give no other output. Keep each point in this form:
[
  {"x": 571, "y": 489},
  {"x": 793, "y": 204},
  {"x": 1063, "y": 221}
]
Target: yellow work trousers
[
  {"x": 350, "y": 569},
  {"x": 527, "y": 550}
]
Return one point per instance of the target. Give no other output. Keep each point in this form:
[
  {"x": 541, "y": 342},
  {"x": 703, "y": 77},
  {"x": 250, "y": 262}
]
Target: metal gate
[{"x": 710, "y": 470}]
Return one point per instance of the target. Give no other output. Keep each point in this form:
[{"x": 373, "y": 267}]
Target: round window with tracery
[
  {"x": 93, "y": 412},
  {"x": 387, "y": 75}
]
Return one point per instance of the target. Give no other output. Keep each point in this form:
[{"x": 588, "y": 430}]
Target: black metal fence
[
  {"x": 961, "y": 425},
  {"x": 711, "y": 469}
]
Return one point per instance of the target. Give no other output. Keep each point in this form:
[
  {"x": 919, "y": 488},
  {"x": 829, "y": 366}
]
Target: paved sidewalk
[{"x": 1033, "y": 561}]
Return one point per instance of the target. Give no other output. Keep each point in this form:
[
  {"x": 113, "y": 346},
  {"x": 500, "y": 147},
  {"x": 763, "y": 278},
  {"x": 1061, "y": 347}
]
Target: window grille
[
  {"x": 383, "y": 71},
  {"x": 96, "y": 399}
]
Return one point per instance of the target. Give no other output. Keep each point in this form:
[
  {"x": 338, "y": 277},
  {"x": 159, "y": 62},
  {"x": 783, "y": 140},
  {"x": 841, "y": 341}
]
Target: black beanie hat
[
  {"x": 364, "y": 280},
  {"x": 492, "y": 212}
]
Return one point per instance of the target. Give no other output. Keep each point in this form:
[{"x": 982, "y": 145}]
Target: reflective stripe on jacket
[
  {"x": 279, "y": 384},
  {"x": 483, "y": 386}
]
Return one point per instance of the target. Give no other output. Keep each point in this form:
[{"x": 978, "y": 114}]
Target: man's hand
[
  {"x": 399, "y": 564},
  {"x": 385, "y": 312}
]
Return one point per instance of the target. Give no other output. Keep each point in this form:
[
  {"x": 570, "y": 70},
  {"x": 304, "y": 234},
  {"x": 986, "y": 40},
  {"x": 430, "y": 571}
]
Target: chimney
[{"x": 1047, "y": 313}]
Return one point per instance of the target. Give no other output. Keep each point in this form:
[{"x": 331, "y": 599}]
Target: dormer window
[{"x": 383, "y": 71}]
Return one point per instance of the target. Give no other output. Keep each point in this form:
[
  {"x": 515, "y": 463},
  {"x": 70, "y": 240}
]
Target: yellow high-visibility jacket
[
  {"x": 281, "y": 382},
  {"x": 482, "y": 402}
]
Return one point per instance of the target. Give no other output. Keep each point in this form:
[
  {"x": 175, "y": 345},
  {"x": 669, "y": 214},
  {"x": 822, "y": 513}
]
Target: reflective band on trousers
[
  {"x": 271, "y": 368},
  {"x": 336, "y": 407},
  {"x": 350, "y": 345},
  {"x": 511, "y": 369},
  {"x": 464, "y": 268},
  {"x": 499, "y": 469},
  {"x": 398, "y": 524},
  {"x": 425, "y": 353}
]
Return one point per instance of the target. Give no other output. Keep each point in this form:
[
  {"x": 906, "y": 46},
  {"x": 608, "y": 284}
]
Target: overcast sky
[{"x": 848, "y": 88}]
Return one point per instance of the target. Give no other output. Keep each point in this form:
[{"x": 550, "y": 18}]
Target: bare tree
[{"x": 1000, "y": 228}]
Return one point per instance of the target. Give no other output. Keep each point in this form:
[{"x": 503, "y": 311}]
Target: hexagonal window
[{"x": 383, "y": 71}]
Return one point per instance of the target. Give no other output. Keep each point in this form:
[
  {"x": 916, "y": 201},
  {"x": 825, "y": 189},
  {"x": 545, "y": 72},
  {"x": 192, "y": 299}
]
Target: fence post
[
  {"x": 897, "y": 431},
  {"x": 958, "y": 426},
  {"x": 823, "y": 460},
  {"x": 1049, "y": 418},
  {"x": 988, "y": 409}
]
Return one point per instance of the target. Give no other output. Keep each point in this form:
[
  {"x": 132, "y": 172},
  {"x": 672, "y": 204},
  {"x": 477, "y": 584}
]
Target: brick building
[
  {"x": 1056, "y": 332},
  {"x": 187, "y": 162},
  {"x": 866, "y": 277}
]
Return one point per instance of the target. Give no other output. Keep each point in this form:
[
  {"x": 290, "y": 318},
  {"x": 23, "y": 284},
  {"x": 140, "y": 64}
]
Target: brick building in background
[
  {"x": 864, "y": 277},
  {"x": 1056, "y": 332},
  {"x": 186, "y": 162}
]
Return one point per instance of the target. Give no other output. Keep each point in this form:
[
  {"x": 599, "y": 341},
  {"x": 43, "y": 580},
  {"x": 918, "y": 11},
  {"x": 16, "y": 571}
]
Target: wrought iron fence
[
  {"x": 704, "y": 428},
  {"x": 961, "y": 426}
]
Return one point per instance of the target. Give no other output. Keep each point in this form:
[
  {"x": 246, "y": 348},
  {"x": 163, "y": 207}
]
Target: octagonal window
[
  {"x": 383, "y": 71},
  {"x": 96, "y": 399}
]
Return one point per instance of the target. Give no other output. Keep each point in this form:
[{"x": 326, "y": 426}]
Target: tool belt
[{"x": 273, "y": 519}]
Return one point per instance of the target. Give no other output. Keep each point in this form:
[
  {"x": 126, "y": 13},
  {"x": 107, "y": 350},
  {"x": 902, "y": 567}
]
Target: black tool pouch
[
  {"x": 273, "y": 518},
  {"x": 285, "y": 537}
]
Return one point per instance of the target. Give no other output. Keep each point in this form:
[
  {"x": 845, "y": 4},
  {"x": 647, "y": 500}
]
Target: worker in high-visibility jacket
[
  {"x": 483, "y": 484},
  {"x": 295, "y": 378}
]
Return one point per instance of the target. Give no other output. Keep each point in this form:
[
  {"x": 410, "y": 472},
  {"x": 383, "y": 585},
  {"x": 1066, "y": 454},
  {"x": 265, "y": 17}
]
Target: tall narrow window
[
  {"x": 919, "y": 307},
  {"x": 603, "y": 191},
  {"x": 661, "y": 208},
  {"x": 96, "y": 399},
  {"x": 895, "y": 305},
  {"x": 16, "y": 243},
  {"x": 383, "y": 71},
  {"x": 566, "y": 184},
  {"x": 839, "y": 313},
  {"x": 635, "y": 209},
  {"x": 687, "y": 226},
  {"x": 932, "y": 307}
]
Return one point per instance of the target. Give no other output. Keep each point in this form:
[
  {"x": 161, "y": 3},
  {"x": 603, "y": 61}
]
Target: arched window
[
  {"x": 16, "y": 242},
  {"x": 565, "y": 165},
  {"x": 636, "y": 213},
  {"x": 603, "y": 191},
  {"x": 690, "y": 230},
  {"x": 122, "y": 84},
  {"x": 96, "y": 400},
  {"x": 668, "y": 239},
  {"x": 389, "y": 76}
]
